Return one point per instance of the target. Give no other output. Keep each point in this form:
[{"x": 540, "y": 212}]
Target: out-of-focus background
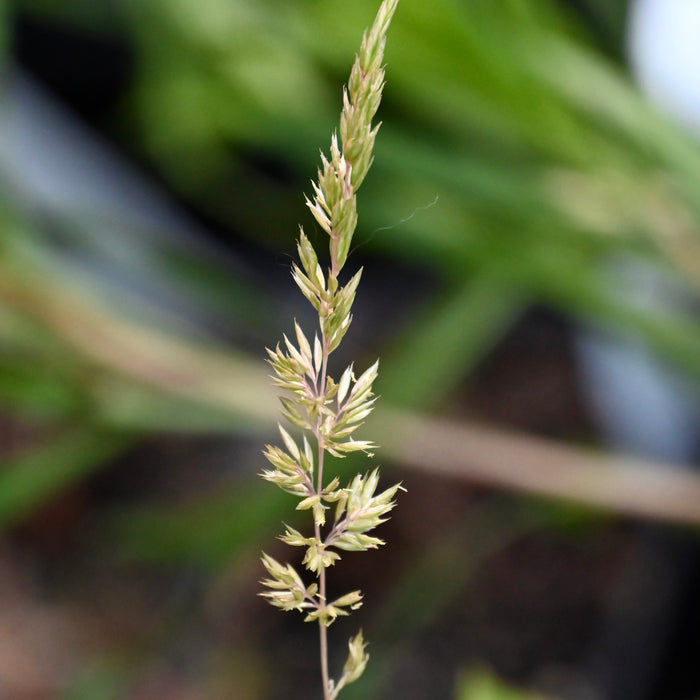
[{"x": 530, "y": 233}]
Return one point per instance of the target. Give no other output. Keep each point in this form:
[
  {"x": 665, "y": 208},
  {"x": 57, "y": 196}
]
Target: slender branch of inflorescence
[{"x": 327, "y": 412}]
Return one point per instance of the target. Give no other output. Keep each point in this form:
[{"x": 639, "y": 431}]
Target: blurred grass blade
[
  {"x": 209, "y": 531},
  {"x": 30, "y": 479},
  {"x": 443, "y": 345},
  {"x": 509, "y": 460}
]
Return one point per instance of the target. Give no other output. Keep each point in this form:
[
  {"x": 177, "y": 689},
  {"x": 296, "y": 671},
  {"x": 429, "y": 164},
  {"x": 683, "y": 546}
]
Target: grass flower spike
[{"x": 326, "y": 411}]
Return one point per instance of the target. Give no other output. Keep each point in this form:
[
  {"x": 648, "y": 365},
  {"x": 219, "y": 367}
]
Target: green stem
[
  {"x": 323, "y": 642},
  {"x": 322, "y": 627}
]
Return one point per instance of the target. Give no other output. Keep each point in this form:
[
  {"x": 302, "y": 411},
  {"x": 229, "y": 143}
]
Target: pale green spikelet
[{"x": 355, "y": 663}]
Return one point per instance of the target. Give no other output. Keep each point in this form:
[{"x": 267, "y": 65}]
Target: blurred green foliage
[
  {"x": 513, "y": 161},
  {"x": 520, "y": 156},
  {"x": 482, "y": 685}
]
